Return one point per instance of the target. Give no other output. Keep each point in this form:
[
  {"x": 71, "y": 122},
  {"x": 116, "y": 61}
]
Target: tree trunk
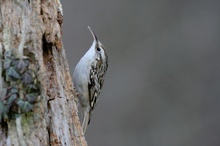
[{"x": 37, "y": 105}]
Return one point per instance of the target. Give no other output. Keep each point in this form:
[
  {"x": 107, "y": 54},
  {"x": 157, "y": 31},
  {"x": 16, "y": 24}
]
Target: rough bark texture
[{"x": 54, "y": 119}]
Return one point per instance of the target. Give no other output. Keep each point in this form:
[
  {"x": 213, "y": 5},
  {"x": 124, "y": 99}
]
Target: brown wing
[{"x": 97, "y": 74}]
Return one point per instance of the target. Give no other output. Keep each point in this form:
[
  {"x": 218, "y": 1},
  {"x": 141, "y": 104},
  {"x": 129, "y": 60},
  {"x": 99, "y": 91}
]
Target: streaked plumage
[{"x": 88, "y": 78}]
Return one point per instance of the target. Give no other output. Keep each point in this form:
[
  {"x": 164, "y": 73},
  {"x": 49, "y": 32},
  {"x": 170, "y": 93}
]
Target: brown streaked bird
[{"x": 88, "y": 78}]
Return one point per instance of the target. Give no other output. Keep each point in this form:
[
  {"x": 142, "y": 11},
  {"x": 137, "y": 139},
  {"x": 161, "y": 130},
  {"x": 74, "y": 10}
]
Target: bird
[{"x": 88, "y": 78}]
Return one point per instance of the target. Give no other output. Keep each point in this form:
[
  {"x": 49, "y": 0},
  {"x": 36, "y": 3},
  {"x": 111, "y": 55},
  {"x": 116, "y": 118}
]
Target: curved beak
[{"x": 93, "y": 34}]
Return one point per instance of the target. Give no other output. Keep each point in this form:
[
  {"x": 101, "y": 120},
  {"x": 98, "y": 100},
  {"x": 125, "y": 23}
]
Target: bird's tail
[{"x": 85, "y": 123}]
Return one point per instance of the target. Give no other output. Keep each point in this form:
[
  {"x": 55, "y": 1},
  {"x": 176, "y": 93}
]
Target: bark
[{"x": 31, "y": 30}]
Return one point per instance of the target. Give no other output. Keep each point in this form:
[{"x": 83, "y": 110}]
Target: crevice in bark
[
  {"x": 49, "y": 64},
  {"x": 60, "y": 19},
  {"x": 47, "y": 50},
  {"x": 49, "y": 138},
  {"x": 4, "y": 127}
]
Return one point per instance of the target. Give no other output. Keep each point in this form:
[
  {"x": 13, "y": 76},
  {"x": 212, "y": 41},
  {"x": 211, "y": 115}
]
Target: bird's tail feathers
[{"x": 86, "y": 118}]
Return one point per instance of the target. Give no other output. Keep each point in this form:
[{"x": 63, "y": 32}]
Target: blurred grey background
[{"x": 163, "y": 83}]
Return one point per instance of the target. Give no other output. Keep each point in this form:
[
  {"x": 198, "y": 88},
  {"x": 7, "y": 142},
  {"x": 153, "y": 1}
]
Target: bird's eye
[{"x": 98, "y": 49}]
